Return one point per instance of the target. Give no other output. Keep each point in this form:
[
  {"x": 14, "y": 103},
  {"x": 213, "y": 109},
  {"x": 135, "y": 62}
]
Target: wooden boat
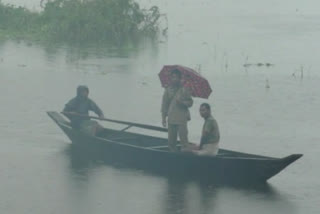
[{"x": 151, "y": 154}]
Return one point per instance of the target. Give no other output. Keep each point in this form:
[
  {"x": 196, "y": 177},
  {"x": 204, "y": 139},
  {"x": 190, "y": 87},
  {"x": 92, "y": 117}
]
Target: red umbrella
[{"x": 197, "y": 84}]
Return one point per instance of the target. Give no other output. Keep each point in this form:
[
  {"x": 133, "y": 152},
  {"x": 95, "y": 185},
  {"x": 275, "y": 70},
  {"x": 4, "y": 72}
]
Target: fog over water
[{"x": 261, "y": 59}]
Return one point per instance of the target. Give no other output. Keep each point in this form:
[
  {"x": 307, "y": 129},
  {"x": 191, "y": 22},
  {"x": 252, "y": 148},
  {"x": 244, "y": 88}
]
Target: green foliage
[
  {"x": 17, "y": 22},
  {"x": 110, "y": 21}
]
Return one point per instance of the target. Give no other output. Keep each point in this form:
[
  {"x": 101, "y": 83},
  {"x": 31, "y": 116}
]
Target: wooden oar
[{"x": 156, "y": 128}]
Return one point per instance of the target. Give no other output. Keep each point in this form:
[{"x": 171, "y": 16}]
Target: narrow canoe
[{"x": 151, "y": 154}]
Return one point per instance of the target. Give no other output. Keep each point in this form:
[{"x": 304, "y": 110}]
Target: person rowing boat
[{"x": 81, "y": 105}]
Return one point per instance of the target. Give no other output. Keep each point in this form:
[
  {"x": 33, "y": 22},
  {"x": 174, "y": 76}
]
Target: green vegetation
[{"x": 80, "y": 21}]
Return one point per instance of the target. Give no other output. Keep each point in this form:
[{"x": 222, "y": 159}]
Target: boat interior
[
  {"x": 157, "y": 143},
  {"x": 148, "y": 141}
]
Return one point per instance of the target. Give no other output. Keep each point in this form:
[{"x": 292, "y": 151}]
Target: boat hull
[{"x": 225, "y": 169}]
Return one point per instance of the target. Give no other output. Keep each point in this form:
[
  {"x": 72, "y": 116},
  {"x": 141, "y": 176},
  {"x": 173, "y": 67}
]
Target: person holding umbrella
[
  {"x": 180, "y": 84},
  {"x": 176, "y": 102}
]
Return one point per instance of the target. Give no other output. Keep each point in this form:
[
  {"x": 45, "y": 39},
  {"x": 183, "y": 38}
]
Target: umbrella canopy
[{"x": 191, "y": 79}]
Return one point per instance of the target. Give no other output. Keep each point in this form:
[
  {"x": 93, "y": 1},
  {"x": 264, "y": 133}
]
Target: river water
[{"x": 268, "y": 110}]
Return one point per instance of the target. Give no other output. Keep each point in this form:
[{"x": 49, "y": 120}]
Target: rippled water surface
[{"x": 261, "y": 59}]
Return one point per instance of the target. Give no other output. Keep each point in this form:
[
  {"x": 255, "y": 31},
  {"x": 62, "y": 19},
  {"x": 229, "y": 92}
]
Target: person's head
[
  {"x": 175, "y": 77},
  {"x": 205, "y": 110},
  {"x": 82, "y": 91}
]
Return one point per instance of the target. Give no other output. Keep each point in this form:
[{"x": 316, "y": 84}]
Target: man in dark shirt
[{"x": 81, "y": 105}]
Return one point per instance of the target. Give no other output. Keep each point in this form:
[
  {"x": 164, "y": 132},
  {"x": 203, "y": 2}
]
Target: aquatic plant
[
  {"x": 110, "y": 21},
  {"x": 17, "y": 21}
]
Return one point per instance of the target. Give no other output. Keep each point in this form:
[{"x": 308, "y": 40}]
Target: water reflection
[
  {"x": 197, "y": 197},
  {"x": 177, "y": 195},
  {"x": 175, "y": 200},
  {"x": 179, "y": 200},
  {"x": 81, "y": 162}
]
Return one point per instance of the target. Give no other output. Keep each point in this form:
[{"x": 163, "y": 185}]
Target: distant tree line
[{"x": 110, "y": 21}]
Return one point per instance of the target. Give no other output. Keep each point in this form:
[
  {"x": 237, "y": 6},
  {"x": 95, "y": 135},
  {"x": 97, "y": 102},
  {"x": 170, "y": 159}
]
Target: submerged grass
[{"x": 81, "y": 21}]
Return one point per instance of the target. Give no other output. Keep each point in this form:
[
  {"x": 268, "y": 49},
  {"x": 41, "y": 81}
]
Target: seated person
[
  {"x": 209, "y": 144},
  {"x": 77, "y": 110}
]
